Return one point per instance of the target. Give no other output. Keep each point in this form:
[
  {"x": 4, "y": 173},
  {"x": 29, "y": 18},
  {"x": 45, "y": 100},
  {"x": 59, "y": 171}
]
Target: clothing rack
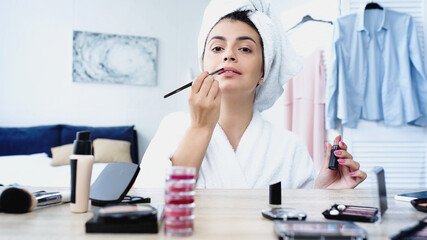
[{"x": 308, "y": 18}]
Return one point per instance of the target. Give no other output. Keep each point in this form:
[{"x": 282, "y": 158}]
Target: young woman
[{"x": 224, "y": 137}]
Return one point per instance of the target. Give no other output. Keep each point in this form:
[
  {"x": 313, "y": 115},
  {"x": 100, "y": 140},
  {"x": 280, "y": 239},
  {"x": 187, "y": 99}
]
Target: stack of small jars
[{"x": 179, "y": 201}]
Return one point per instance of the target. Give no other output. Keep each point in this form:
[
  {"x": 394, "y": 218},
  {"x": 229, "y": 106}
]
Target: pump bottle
[{"x": 81, "y": 162}]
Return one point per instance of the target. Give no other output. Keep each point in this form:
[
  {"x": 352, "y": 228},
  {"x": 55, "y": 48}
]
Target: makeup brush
[
  {"x": 18, "y": 200},
  {"x": 188, "y": 85}
]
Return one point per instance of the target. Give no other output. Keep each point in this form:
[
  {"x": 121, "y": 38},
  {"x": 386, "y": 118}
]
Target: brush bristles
[{"x": 17, "y": 200}]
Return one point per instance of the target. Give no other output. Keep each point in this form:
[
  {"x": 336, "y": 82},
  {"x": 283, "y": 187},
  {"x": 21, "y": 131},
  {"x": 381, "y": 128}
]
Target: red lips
[{"x": 229, "y": 70}]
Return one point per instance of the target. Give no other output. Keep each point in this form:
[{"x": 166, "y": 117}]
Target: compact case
[
  {"x": 125, "y": 218},
  {"x": 113, "y": 183}
]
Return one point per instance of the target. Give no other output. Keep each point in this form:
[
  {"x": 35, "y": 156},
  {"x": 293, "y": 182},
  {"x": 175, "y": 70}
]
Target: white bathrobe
[{"x": 266, "y": 154}]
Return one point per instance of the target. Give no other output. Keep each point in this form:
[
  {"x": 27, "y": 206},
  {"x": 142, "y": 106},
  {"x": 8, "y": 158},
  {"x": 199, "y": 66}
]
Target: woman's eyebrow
[
  {"x": 246, "y": 38},
  {"x": 241, "y": 38},
  {"x": 217, "y": 37}
]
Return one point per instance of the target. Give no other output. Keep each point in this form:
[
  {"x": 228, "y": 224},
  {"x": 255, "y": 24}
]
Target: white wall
[{"x": 36, "y": 87}]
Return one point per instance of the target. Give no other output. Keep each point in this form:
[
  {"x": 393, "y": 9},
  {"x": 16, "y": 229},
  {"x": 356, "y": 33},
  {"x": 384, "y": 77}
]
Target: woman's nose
[{"x": 229, "y": 56}]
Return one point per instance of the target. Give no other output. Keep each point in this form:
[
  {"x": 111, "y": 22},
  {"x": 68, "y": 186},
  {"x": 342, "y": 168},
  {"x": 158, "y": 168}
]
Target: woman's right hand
[{"x": 205, "y": 101}]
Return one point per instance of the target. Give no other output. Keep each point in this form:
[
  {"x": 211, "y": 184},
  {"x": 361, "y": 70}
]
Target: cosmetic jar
[
  {"x": 180, "y": 173},
  {"x": 179, "y": 201},
  {"x": 179, "y": 227},
  {"x": 180, "y": 185},
  {"x": 183, "y": 210},
  {"x": 179, "y": 197}
]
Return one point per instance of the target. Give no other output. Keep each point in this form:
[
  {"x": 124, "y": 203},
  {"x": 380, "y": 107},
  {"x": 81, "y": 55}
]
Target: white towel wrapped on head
[{"x": 280, "y": 60}]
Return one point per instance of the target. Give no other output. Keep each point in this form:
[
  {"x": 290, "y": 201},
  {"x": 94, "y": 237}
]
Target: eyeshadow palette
[
  {"x": 416, "y": 232},
  {"x": 362, "y": 213},
  {"x": 351, "y": 213}
]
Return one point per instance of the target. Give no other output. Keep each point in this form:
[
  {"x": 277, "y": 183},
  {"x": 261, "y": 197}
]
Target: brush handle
[
  {"x": 52, "y": 198},
  {"x": 178, "y": 90},
  {"x": 188, "y": 85}
]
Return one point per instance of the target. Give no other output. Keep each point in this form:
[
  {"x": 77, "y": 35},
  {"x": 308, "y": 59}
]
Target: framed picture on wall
[{"x": 113, "y": 58}]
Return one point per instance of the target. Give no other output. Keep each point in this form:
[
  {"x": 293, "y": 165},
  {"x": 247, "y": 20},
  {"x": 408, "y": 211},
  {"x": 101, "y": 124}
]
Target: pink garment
[{"x": 304, "y": 100}]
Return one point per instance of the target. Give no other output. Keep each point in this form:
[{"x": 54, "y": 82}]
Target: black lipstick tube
[{"x": 333, "y": 160}]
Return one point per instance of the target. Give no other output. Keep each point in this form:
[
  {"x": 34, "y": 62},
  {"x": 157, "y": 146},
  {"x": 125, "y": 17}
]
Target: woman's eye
[
  {"x": 216, "y": 49},
  {"x": 245, "y": 50}
]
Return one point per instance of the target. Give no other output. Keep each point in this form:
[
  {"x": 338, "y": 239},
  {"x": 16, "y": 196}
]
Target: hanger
[
  {"x": 373, "y": 5},
  {"x": 308, "y": 18}
]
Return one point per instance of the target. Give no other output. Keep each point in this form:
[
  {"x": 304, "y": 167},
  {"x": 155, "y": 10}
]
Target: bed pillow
[
  {"x": 107, "y": 150},
  {"x": 61, "y": 155},
  {"x": 29, "y": 140},
  {"x": 125, "y": 133},
  {"x": 104, "y": 150}
]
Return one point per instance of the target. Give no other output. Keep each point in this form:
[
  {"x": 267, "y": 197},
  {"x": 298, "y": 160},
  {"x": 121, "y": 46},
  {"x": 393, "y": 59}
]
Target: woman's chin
[
  {"x": 236, "y": 92},
  {"x": 234, "y": 87},
  {"x": 228, "y": 89}
]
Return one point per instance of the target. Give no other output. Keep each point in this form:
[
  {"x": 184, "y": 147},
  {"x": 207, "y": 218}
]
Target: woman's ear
[{"x": 261, "y": 81}]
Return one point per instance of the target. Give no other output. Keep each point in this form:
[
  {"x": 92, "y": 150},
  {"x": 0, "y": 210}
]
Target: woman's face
[{"x": 236, "y": 47}]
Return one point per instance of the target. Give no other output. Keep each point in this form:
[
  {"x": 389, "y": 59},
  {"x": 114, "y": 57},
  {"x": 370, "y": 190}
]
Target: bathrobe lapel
[
  {"x": 234, "y": 169},
  {"x": 252, "y": 148}
]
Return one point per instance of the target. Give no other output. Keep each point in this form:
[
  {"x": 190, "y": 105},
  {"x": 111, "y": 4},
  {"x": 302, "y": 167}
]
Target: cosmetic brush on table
[{"x": 19, "y": 200}]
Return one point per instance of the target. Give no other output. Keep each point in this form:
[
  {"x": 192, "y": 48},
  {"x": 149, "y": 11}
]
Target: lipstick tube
[{"x": 333, "y": 160}]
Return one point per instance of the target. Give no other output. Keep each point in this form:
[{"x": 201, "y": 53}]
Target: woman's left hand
[{"x": 348, "y": 174}]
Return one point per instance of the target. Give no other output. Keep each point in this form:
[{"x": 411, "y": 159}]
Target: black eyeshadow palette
[
  {"x": 352, "y": 213},
  {"x": 362, "y": 213}
]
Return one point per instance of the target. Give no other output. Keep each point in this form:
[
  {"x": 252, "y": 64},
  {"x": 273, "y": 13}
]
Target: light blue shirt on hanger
[{"x": 377, "y": 71}]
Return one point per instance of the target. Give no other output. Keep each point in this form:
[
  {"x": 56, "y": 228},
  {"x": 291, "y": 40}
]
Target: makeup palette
[
  {"x": 362, "y": 213},
  {"x": 351, "y": 213}
]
